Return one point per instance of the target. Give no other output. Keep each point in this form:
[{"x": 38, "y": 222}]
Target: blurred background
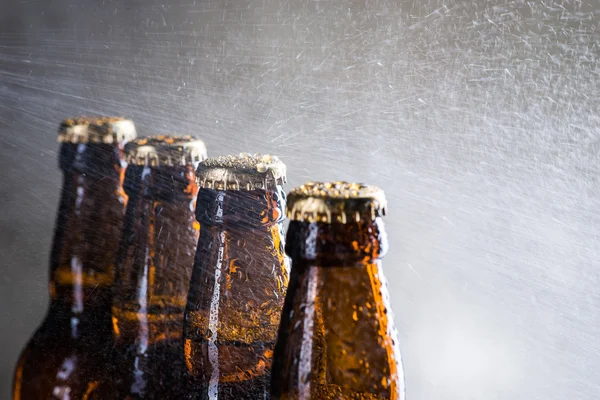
[{"x": 480, "y": 119}]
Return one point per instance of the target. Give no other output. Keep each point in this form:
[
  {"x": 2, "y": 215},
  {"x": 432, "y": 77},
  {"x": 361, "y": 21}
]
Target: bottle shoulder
[{"x": 50, "y": 366}]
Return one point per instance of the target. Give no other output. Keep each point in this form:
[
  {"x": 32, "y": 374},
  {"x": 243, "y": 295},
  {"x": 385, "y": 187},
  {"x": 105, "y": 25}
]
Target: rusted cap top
[
  {"x": 166, "y": 150},
  {"x": 96, "y": 130},
  {"x": 340, "y": 202},
  {"x": 241, "y": 172}
]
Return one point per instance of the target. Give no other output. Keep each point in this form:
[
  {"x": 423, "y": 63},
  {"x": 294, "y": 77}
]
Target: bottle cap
[
  {"x": 241, "y": 172},
  {"x": 96, "y": 130},
  {"x": 166, "y": 150},
  {"x": 340, "y": 202}
]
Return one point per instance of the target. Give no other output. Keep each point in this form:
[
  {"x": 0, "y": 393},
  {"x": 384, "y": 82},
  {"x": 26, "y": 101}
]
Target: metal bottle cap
[
  {"x": 241, "y": 172},
  {"x": 340, "y": 202},
  {"x": 166, "y": 150},
  {"x": 96, "y": 130}
]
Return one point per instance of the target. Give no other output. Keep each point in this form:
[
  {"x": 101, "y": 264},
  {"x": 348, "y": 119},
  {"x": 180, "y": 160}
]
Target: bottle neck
[
  {"x": 156, "y": 254},
  {"x": 336, "y": 244},
  {"x": 87, "y": 229},
  {"x": 241, "y": 209},
  {"x": 337, "y": 290},
  {"x": 240, "y": 271},
  {"x": 241, "y": 234},
  {"x": 245, "y": 252}
]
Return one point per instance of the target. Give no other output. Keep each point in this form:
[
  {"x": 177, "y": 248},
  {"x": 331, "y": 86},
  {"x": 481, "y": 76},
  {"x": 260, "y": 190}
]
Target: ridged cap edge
[
  {"x": 166, "y": 150},
  {"x": 341, "y": 202},
  {"x": 241, "y": 172}
]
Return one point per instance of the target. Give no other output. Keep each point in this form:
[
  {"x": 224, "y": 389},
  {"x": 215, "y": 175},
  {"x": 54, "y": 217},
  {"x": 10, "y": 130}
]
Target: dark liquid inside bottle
[{"x": 236, "y": 294}]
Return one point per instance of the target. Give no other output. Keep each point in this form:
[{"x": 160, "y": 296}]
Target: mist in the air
[{"x": 480, "y": 120}]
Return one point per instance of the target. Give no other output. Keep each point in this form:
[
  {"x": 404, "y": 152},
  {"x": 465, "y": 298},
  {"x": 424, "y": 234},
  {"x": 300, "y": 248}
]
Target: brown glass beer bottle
[
  {"x": 337, "y": 338},
  {"x": 239, "y": 279},
  {"x": 153, "y": 267},
  {"x": 68, "y": 353}
]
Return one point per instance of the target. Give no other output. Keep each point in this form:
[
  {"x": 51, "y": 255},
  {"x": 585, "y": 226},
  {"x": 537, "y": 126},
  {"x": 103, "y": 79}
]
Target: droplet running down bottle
[
  {"x": 239, "y": 279},
  {"x": 337, "y": 338}
]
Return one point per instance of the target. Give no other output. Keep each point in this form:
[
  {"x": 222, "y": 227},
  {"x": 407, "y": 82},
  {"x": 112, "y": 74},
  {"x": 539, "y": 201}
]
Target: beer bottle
[
  {"x": 337, "y": 338},
  {"x": 154, "y": 266},
  {"x": 239, "y": 279},
  {"x": 68, "y": 353}
]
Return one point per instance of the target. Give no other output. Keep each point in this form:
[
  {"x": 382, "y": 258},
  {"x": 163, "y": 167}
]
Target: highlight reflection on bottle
[{"x": 239, "y": 279}]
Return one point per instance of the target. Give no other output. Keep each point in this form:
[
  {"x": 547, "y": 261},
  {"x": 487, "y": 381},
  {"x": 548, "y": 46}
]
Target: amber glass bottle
[
  {"x": 153, "y": 267},
  {"x": 337, "y": 338},
  {"x": 239, "y": 279},
  {"x": 68, "y": 353}
]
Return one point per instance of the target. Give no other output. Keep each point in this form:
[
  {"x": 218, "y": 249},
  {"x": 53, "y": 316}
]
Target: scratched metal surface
[{"x": 479, "y": 119}]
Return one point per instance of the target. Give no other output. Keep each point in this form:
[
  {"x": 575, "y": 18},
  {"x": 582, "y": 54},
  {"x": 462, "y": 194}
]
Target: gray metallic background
[{"x": 479, "y": 119}]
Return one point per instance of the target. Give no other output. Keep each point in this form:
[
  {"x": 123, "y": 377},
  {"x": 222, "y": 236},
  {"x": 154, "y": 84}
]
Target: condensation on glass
[
  {"x": 67, "y": 355},
  {"x": 337, "y": 338},
  {"x": 239, "y": 279}
]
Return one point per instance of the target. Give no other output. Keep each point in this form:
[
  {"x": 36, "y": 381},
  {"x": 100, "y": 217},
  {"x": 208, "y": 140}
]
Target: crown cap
[
  {"x": 166, "y": 150},
  {"x": 340, "y": 202},
  {"x": 241, "y": 172}
]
